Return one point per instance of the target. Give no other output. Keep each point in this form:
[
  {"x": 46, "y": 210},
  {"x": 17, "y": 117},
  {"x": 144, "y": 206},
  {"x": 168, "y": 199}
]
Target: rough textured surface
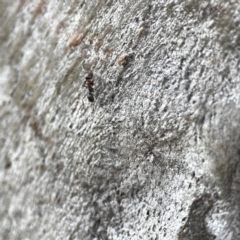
[{"x": 156, "y": 155}]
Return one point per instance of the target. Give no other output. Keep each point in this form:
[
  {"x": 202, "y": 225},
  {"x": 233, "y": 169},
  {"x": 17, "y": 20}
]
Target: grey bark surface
[{"x": 156, "y": 155}]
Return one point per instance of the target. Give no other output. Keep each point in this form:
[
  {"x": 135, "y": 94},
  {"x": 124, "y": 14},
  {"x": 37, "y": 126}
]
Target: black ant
[{"x": 88, "y": 83}]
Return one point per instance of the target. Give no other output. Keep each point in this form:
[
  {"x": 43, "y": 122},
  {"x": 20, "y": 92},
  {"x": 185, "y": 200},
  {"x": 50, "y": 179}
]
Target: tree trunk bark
[{"x": 119, "y": 119}]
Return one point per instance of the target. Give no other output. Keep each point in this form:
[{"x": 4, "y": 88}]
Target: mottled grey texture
[{"x": 156, "y": 155}]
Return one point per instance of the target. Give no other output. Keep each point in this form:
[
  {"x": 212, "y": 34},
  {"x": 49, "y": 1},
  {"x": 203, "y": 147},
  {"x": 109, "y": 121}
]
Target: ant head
[
  {"x": 89, "y": 76},
  {"x": 90, "y": 97}
]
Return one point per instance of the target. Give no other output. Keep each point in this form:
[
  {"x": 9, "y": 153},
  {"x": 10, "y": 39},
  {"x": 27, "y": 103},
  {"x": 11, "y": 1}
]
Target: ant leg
[{"x": 85, "y": 84}]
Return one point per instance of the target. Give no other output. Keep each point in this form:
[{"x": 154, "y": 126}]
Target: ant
[{"x": 88, "y": 83}]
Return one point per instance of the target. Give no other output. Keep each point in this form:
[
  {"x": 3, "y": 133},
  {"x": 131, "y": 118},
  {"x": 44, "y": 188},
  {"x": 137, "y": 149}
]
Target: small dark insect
[{"x": 88, "y": 83}]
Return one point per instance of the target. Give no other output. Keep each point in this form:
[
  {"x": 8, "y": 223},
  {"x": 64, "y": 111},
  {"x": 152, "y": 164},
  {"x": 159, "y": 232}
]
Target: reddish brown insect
[{"x": 88, "y": 83}]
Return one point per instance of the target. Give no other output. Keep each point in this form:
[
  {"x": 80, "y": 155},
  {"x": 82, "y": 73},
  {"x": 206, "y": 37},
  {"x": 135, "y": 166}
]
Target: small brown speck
[
  {"x": 186, "y": 117},
  {"x": 98, "y": 45},
  {"x": 140, "y": 31},
  {"x": 34, "y": 124},
  {"x": 122, "y": 59},
  {"x": 20, "y": 3},
  {"x": 90, "y": 40},
  {"x": 108, "y": 51},
  {"x": 38, "y": 8},
  {"x": 59, "y": 165},
  {"x": 75, "y": 39},
  {"x": 222, "y": 146},
  {"x": 59, "y": 26}
]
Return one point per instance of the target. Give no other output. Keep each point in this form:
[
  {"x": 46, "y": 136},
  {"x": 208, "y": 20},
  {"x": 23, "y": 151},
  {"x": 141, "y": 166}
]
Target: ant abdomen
[{"x": 90, "y": 97}]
